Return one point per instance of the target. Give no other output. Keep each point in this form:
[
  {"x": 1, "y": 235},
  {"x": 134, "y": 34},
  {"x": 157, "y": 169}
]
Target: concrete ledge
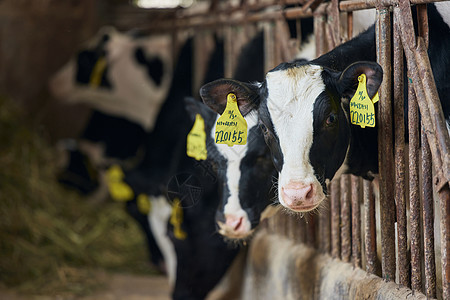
[{"x": 279, "y": 269}]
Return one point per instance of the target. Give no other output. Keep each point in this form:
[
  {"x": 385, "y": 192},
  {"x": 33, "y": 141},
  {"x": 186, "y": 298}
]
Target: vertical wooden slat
[
  {"x": 428, "y": 219},
  {"x": 334, "y": 22},
  {"x": 319, "y": 33},
  {"x": 326, "y": 229},
  {"x": 427, "y": 185},
  {"x": 400, "y": 181},
  {"x": 370, "y": 228},
  {"x": 269, "y": 46},
  {"x": 349, "y": 25},
  {"x": 414, "y": 193},
  {"x": 356, "y": 221},
  {"x": 293, "y": 222},
  {"x": 311, "y": 230},
  {"x": 335, "y": 219},
  {"x": 301, "y": 230},
  {"x": 228, "y": 45},
  {"x": 385, "y": 148},
  {"x": 346, "y": 249},
  {"x": 444, "y": 197}
]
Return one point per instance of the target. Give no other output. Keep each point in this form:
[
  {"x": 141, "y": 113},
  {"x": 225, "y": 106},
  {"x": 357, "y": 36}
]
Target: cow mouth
[
  {"x": 233, "y": 234},
  {"x": 304, "y": 208}
]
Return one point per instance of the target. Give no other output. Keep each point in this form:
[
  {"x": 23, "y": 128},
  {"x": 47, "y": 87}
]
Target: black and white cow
[
  {"x": 241, "y": 168},
  {"x": 124, "y": 78},
  {"x": 304, "y": 112}
]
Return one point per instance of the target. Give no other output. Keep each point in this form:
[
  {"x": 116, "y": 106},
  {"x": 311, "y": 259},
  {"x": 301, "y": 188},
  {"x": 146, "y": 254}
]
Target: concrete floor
[{"x": 121, "y": 286}]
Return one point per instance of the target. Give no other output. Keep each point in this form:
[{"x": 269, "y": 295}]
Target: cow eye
[{"x": 331, "y": 120}]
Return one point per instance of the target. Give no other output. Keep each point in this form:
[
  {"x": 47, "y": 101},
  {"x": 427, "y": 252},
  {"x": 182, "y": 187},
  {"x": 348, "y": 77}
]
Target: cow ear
[
  {"x": 348, "y": 81},
  {"x": 214, "y": 94}
]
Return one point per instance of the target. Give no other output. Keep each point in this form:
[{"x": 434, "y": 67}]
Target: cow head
[
  {"x": 303, "y": 111},
  {"x": 245, "y": 174}
]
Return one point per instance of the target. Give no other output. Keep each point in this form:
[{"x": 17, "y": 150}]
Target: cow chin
[{"x": 299, "y": 196}]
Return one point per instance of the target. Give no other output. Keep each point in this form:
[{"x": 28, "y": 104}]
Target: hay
[{"x": 52, "y": 240}]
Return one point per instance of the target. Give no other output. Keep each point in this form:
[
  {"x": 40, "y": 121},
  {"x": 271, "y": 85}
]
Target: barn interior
[{"x": 66, "y": 227}]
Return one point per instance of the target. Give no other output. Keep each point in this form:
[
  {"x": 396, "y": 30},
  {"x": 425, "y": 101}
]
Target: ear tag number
[
  {"x": 231, "y": 127},
  {"x": 196, "y": 140},
  {"x": 362, "y": 111},
  {"x": 176, "y": 219},
  {"x": 97, "y": 72}
]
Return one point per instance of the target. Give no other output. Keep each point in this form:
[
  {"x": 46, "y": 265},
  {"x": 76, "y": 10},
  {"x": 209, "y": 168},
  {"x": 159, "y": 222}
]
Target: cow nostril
[
  {"x": 234, "y": 222},
  {"x": 310, "y": 193},
  {"x": 238, "y": 223}
]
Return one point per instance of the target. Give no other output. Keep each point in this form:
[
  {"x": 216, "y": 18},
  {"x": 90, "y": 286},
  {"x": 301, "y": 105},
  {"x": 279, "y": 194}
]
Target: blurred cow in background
[{"x": 125, "y": 78}]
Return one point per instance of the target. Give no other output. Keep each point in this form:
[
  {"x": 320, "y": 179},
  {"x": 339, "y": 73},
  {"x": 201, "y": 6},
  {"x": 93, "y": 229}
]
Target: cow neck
[
  {"x": 347, "y": 53},
  {"x": 362, "y": 153}
]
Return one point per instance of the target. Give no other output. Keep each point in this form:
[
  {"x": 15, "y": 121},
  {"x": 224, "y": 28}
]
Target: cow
[
  {"x": 240, "y": 169},
  {"x": 114, "y": 73},
  {"x": 245, "y": 174},
  {"x": 124, "y": 78},
  {"x": 304, "y": 112}
]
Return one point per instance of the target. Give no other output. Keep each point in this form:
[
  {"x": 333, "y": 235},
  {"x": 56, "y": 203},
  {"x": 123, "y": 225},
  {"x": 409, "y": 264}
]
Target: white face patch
[
  {"x": 158, "y": 219},
  {"x": 290, "y": 101},
  {"x": 234, "y": 156}
]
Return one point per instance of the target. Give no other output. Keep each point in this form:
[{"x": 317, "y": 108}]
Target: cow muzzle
[
  {"x": 235, "y": 227},
  {"x": 300, "y": 197}
]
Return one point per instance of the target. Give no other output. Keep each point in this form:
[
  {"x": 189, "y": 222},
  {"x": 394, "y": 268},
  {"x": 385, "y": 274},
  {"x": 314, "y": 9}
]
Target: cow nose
[
  {"x": 234, "y": 222},
  {"x": 299, "y": 196}
]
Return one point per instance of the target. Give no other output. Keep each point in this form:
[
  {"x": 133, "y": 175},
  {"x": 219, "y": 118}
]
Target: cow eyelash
[{"x": 264, "y": 128}]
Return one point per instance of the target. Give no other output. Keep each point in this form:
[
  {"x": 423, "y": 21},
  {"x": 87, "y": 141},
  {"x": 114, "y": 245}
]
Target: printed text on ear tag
[
  {"x": 362, "y": 111},
  {"x": 231, "y": 127},
  {"x": 196, "y": 140}
]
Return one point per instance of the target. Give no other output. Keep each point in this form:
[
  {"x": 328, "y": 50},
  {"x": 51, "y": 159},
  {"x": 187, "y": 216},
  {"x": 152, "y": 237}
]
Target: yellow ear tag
[
  {"x": 143, "y": 204},
  {"x": 97, "y": 72},
  {"x": 362, "y": 111},
  {"x": 119, "y": 190},
  {"x": 231, "y": 127},
  {"x": 196, "y": 140},
  {"x": 176, "y": 219}
]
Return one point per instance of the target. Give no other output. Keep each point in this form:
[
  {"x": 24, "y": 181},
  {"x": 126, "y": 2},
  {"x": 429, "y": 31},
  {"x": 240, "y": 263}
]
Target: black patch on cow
[
  {"x": 121, "y": 137},
  {"x": 438, "y": 50},
  {"x": 86, "y": 61},
  {"x": 257, "y": 174},
  {"x": 266, "y": 125},
  {"x": 154, "y": 65},
  {"x": 330, "y": 136}
]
